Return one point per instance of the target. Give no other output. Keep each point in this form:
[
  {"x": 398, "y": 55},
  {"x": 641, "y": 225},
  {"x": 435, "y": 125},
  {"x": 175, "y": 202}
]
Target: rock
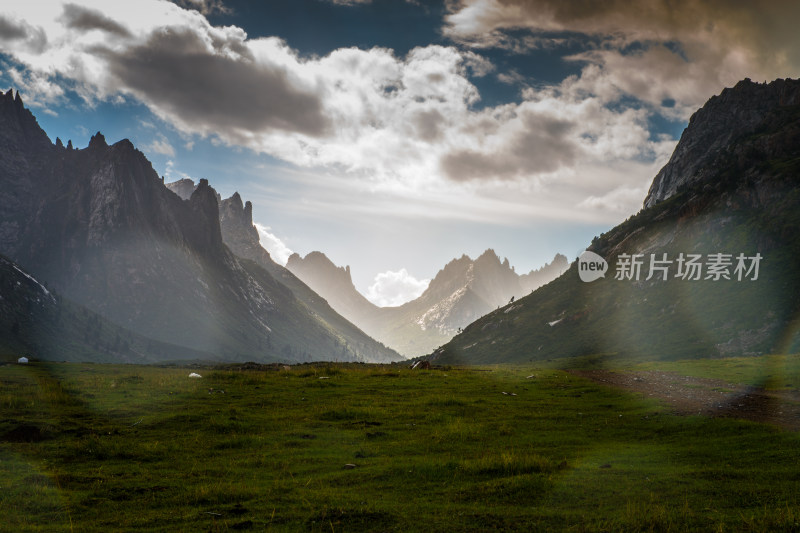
[
  {"x": 97, "y": 142},
  {"x": 183, "y": 188},
  {"x": 735, "y": 112},
  {"x": 195, "y": 375}
]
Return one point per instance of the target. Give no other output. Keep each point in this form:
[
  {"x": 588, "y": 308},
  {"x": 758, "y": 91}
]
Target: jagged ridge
[{"x": 99, "y": 225}]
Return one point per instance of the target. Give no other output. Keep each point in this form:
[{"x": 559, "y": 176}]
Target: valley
[{"x": 399, "y": 266}]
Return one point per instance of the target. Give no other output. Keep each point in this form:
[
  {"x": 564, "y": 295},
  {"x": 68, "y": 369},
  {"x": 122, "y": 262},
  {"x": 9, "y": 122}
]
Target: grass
[
  {"x": 97, "y": 447},
  {"x": 772, "y": 372}
]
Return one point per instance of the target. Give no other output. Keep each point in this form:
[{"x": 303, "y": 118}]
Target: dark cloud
[
  {"x": 177, "y": 74},
  {"x": 82, "y": 18},
  {"x": 428, "y": 125},
  {"x": 11, "y": 31},
  {"x": 543, "y": 146},
  {"x": 766, "y": 29},
  {"x": 205, "y": 7}
]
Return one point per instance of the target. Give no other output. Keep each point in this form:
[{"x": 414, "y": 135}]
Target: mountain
[
  {"x": 39, "y": 323},
  {"x": 99, "y": 226},
  {"x": 241, "y": 236},
  {"x": 461, "y": 292},
  {"x": 729, "y": 201},
  {"x": 743, "y": 110},
  {"x": 536, "y": 278},
  {"x": 335, "y": 285}
]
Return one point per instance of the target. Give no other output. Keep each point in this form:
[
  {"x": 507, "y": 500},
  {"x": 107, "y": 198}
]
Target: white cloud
[
  {"x": 40, "y": 92},
  {"x": 160, "y": 145},
  {"x": 391, "y": 289},
  {"x": 275, "y": 246},
  {"x": 171, "y": 173},
  {"x": 622, "y": 200}
]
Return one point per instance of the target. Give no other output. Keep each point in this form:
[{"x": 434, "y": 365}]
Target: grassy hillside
[{"x": 366, "y": 448}]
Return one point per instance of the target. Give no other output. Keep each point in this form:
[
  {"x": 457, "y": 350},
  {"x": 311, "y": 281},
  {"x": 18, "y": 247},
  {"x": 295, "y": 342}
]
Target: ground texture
[{"x": 691, "y": 395}]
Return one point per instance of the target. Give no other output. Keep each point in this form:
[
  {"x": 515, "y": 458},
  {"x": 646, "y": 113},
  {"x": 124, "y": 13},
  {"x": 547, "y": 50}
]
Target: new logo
[{"x": 591, "y": 266}]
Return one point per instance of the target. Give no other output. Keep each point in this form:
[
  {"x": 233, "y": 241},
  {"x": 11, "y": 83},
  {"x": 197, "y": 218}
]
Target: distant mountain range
[
  {"x": 464, "y": 290},
  {"x": 729, "y": 201},
  {"x": 99, "y": 227}
]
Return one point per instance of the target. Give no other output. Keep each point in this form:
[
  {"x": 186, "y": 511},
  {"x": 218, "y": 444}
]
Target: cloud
[
  {"x": 173, "y": 174},
  {"x": 82, "y": 18},
  {"x": 203, "y": 79},
  {"x": 10, "y": 30},
  {"x": 412, "y": 127},
  {"x": 622, "y": 200},
  {"x": 349, "y": 2},
  {"x": 206, "y": 7},
  {"x": 275, "y": 246},
  {"x": 39, "y": 90},
  {"x": 684, "y": 50},
  {"x": 19, "y": 34},
  {"x": 401, "y": 122},
  {"x": 160, "y": 145},
  {"x": 222, "y": 90},
  {"x": 391, "y": 289}
]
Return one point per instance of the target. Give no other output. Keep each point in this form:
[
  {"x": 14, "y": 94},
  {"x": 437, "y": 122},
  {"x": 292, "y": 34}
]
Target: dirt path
[{"x": 711, "y": 397}]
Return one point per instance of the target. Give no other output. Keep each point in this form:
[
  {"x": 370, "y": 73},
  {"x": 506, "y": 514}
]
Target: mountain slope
[
  {"x": 335, "y": 285},
  {"x": 241, "y": 236},
  {"x": 99, "y": 226},
  {"x": 740, "y": 197},
  {"x": 40, "y": 323}
]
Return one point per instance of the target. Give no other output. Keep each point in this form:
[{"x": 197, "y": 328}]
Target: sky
[{"x": 397, "y": 135}]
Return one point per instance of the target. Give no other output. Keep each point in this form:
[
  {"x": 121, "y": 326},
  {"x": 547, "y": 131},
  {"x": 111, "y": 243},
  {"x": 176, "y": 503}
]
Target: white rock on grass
[{"x": 195, "y": 375}]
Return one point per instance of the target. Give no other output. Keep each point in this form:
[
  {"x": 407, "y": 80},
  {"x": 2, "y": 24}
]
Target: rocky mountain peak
[
  {"x": 732, "y": 114},
  {"x": 206, "y": 231},
  {"x": 317, "y": 265},
  {"x": 204, "y": 195},
  {"x": 97, "y": 142},
  {"x": 18, "y": 127},
  {"x": 183, "y": 188},
  {"x": 233, "y": 208},
  {"x": 238, "y": 231},
  {"x": 237, "y": 200}
]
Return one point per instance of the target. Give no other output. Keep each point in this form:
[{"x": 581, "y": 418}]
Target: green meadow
[{"x": 86, "y": 447}]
